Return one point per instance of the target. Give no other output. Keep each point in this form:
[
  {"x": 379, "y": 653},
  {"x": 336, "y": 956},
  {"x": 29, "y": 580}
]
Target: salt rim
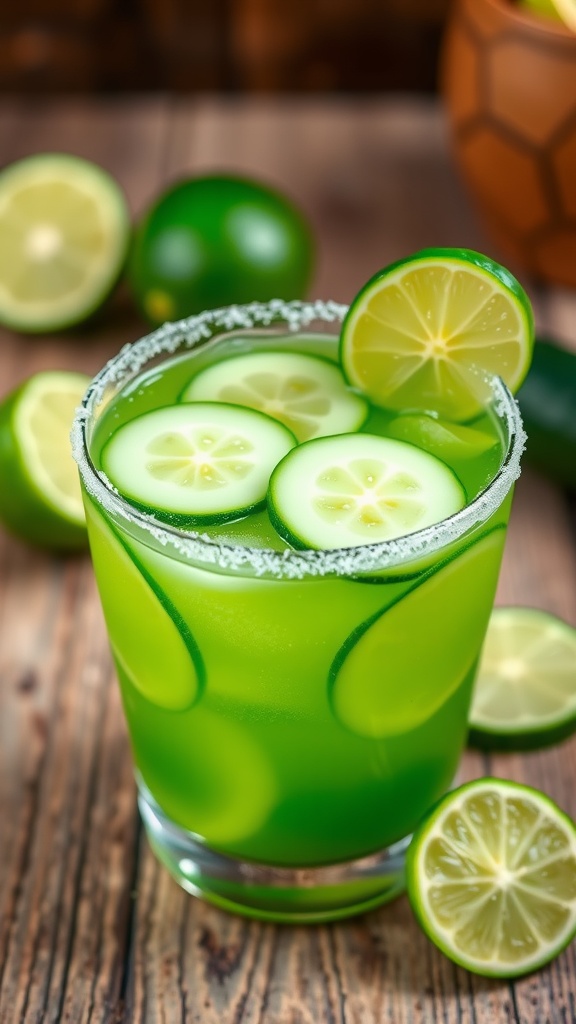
[{"x": 200, "y": 549}]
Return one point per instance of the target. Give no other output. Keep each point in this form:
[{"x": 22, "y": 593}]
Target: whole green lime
[{"x": 214, "y": 241}]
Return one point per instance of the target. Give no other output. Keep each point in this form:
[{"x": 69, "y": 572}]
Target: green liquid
[{"x": 294, "y": 722}]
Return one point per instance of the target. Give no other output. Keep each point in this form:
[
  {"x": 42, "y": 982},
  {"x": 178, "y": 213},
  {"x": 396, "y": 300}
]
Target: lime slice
[
  {"x": 525, "y": 695},
  {"x": 306, "y": 393},
  {"x": 382, "y": 682},
  {"x": 423, "y": 333},
  {"x": 40, "y": 497},
  {"x": 491, "y": 876},
  {"x": 64, "y": 230},
  {"x": 150, "y": 640},
  {"x": 446, "y": 440}
]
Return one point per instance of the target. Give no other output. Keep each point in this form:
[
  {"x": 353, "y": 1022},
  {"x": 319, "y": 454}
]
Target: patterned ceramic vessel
[{"x": 509, "y": 81}]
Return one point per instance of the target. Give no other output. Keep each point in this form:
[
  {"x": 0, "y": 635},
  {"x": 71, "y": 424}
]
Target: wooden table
[{"x": 91, "y": 928}]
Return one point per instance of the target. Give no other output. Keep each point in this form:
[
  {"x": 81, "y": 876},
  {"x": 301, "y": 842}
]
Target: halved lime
[
  {"x": 64, "y": 230},
  {"x": 40, "y": 497},
  {"x": 525, "y": 694},
  {"x": 491, "y": 875},
  {"x": 150, "y": 640},
  {"x": 351, "y": 489},
  {"x": 423, "y": 333}
]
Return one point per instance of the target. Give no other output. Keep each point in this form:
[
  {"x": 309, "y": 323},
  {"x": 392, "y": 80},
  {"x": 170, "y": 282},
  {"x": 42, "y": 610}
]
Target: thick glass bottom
[{"x": 297, "y": 895}]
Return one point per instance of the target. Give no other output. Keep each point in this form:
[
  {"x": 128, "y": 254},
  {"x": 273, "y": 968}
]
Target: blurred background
[{"x": 229, "y": 45}]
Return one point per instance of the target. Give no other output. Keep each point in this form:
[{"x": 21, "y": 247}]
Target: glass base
[{"x": 297, "y": 895}]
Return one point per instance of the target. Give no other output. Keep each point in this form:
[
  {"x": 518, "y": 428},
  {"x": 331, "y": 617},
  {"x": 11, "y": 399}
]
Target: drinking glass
[{"x": 292, "y": 714}]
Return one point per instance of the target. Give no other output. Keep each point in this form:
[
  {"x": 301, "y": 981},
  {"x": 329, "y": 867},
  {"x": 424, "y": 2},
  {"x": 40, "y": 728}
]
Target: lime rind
[
  {"x": 488, "y": 852},
  {"x": 410, "y": 336},
  {"x": 525, "y": 695},
  {"x": 94, "y": 226}
]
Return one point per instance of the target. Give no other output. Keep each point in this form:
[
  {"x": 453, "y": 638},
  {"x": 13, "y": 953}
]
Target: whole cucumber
[{"x": 547, "y": 401}]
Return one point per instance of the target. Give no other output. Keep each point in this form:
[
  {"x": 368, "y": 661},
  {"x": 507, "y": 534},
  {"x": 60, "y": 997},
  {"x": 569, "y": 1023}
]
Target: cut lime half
[
  {"x": 40, "y": 497},
  {"x": 64, "y": 230},
  {"x": 525, "y": 693},
  {"x": 425, "y": 331},
  {"x": 491, "y": 876}
]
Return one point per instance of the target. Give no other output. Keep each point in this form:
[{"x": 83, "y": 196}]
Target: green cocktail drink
[{"x": 293, "y": 712}]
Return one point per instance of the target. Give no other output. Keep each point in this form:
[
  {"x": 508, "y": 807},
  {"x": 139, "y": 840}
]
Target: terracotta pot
[{"x": 509, "y": 81}]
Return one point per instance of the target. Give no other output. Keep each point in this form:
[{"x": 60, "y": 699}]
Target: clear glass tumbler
[{"x": 292, "y": 714}]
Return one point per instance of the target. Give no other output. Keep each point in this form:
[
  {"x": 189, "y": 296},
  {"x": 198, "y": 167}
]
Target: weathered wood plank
[
  {"x": 67, "y": 844},
  {"x": 91, "y": 931}
]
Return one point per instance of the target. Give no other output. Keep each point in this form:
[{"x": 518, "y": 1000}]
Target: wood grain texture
[
  {"x": 92, "y": 929},
  {"x": 288, "y": 45}
]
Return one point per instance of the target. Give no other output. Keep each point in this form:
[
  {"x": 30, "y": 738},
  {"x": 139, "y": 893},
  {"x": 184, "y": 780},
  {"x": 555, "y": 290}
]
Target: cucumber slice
[
  {"x": 150, "y": 640},
  {"x": 199, "y": 464},
  {"x": 352, "y": 489},
  {"x": 398, "y": 668},
  {"x": 306, "y": 393}
]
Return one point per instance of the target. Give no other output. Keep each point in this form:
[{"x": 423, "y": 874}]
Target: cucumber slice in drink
[
  {"x": 421, "y": 662},
  {"x": 306, "y": 393},
  {"x": 491, "y": 875},
  {"x": 150, "y": 640},
  {"x": 352, "y": 489},
  {"x": 525, "y": 694},
  {"x": 196, "y": 464}
]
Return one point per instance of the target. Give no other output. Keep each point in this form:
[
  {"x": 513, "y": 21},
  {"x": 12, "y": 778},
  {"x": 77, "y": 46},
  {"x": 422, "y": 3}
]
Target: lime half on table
[
  {"x": 40, "y": 498},
  {"x": 423, "y": 333},
  {"x": 64, "y": 231},
  {"x": 525, "y": 694},
  {"x": 491, "y": 876}
]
